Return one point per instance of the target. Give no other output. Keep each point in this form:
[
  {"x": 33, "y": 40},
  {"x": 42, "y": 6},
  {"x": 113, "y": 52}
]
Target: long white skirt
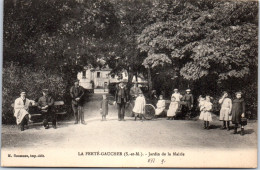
[
  {"x": 20, "y": 115},
  {"x": 206, "y": 116},
  {"x": 172, "y": 109},
  {"x": 158, "y": 111}
]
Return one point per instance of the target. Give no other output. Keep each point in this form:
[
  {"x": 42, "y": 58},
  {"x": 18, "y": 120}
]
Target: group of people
[
  {"x": 230, "y": 111},
  {"x": 45, "y": 105},
  {"x": 177, "y": 100}
]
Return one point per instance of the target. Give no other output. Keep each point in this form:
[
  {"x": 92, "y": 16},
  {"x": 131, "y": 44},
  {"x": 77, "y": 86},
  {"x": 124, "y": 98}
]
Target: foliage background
[{"x": 206, "y": 45}]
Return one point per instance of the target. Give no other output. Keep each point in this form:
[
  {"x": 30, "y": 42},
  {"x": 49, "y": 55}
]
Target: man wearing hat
[
  {"x": 188, "y": 100},
  {"x": 77, "y": 95},
  {"x": 21, "y": 107},
  {"x": 45, "y": 104},
  {"x": 121, "y": 99}
]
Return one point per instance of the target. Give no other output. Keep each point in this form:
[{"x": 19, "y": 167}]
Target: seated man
[
  {"x": 45, "y": 104},
  {"x": 21, "y": 107},
  {"x": 160, "y": 106}
]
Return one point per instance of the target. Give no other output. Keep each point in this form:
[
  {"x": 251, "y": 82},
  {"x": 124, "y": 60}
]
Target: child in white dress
[
  {"x": 171, "y": 113},
  {"x": 225, "y": 111},
  {"x": 205, "y": 114},
  {"x": 139, "y": 108},
  {"x": 160, "y": 106}
]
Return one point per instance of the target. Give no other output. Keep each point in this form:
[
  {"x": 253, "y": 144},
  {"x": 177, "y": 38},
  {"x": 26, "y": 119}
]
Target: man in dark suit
[
  {"x": 77, "y": 95},
  {"x": 46, "y": 103},
  {"x": 121, "y": 99},
  {"x": 188, "y": 100}
]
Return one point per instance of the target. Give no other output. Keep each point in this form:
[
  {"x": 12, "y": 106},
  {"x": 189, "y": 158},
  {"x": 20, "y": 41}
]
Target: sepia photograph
[{"x": 130, "y": 83}]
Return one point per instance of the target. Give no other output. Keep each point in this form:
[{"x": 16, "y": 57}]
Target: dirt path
[{"x": 133, "y": 134}]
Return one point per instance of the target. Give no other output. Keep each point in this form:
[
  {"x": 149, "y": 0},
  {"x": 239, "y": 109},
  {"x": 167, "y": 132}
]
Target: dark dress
[{"x": 238, "y": 107}]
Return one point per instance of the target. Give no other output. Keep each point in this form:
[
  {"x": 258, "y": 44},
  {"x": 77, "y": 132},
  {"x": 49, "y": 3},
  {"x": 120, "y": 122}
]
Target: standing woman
[
  {"x": 238, "y": 111},
  {"x": 226, "y": 106}
]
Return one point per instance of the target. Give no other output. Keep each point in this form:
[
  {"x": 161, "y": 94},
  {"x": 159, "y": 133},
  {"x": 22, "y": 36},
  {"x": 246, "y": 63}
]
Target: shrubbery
[{"x": 30, "y": 79}]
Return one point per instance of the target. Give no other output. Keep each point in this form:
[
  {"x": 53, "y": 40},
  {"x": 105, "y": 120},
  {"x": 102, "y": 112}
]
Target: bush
[{"x": 30, "y": 79}]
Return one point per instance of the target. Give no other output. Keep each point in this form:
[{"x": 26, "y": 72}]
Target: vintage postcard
[{"x": 130, "y": 83}]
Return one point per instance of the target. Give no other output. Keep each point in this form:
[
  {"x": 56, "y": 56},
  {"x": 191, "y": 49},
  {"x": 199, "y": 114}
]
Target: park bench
[{"x": 36, "y": 115}]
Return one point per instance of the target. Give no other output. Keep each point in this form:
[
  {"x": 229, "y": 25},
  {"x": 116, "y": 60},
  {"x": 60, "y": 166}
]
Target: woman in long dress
[
  {"x": 160, "y": 106},
  {"x": 177, "y": 95},
  {"x": 139, "y": 108},
  {"x": 171, "y": 113},
  {"x": 205, "y": 114},
  {"x": 226, "y": 106}
]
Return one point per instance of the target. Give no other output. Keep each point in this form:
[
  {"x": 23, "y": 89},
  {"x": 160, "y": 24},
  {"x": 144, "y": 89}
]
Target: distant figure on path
[
  {"x": 225, "y": 111},
  {"x": 45, "y": 104},
  {"x": 121, "y": 99},
  {"x": 238, "y": 111},
  {"x": 104, "y": 107},
  {"x": 105, "y": 86},
  {"x": 77, "y": 93},
  {"x": 21, "y": 107}
]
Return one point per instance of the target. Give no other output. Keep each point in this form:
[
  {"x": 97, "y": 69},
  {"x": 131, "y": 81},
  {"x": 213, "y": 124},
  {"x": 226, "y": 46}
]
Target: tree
[
  {"x": 199, "y": 39},
  {"x": 132, "y": 16}
]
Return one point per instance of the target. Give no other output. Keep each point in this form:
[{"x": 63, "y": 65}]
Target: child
[
  {"x": 139, "y": 107},
  {"x": 201, "y": 99},
  {"x": 172, "y": 108},
  {"x": 161, "y": 104},
  {"x": 226, "y": 106},
  {"x": 205, "y": 114},
  {"x": 104, "y": 107},
  {"x": 238, "y": 111}
]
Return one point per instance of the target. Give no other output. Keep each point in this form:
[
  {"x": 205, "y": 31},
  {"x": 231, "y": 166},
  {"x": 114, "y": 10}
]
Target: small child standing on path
[
  {"x": 139, "y": 107},
  {"x": 225, "y": 111},
  {"x": 171, "y": 113},
  {"x": 205, "y": 114},
  {"x": 104, "y": 107}
]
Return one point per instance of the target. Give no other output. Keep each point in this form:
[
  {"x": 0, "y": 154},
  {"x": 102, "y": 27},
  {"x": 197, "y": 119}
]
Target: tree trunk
[
  {"x": 130, "y": 78},
  {"x": 136, "y": 79},
  {"x": 150, "y": 85}
]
